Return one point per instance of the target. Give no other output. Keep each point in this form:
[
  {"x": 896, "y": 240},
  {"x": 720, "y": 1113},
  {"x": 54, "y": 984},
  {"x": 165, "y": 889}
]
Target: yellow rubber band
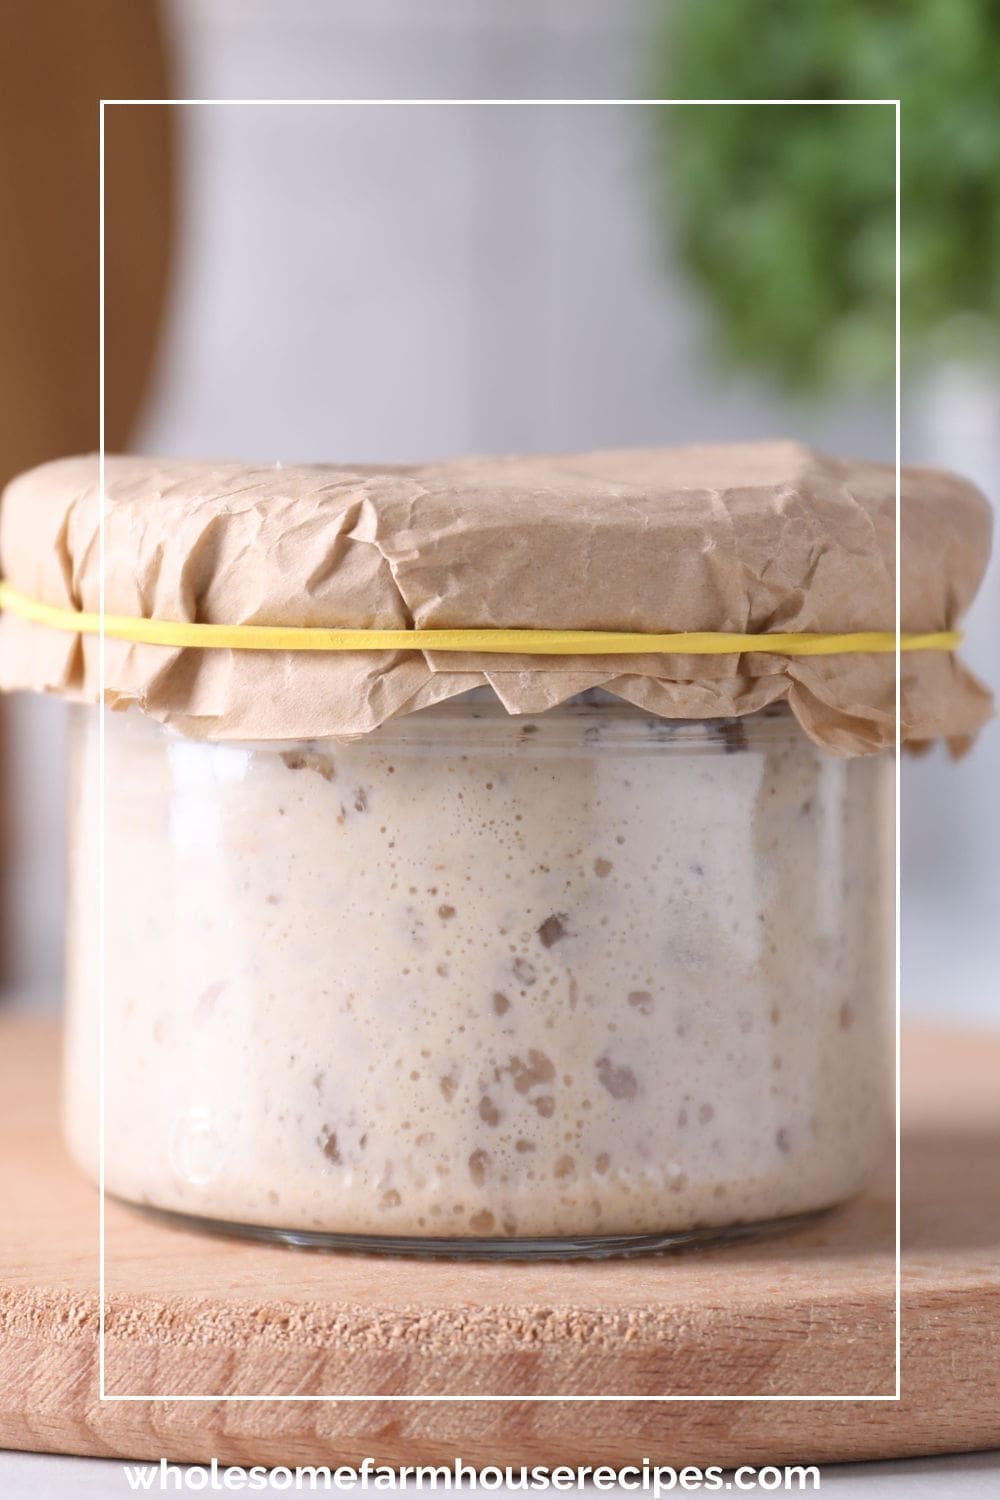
[{"x": 187, "y": 633}]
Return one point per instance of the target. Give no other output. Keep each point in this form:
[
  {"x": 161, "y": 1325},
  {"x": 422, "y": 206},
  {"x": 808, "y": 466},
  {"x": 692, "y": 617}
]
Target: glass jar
[{"x": 580, "y": 983}]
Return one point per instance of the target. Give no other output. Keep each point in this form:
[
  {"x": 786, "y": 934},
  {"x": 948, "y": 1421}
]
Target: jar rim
[{"x": 590, "y": 723}]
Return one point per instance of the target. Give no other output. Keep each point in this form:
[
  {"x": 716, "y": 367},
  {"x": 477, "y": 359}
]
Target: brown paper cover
[{"x": 746, "y": 537}]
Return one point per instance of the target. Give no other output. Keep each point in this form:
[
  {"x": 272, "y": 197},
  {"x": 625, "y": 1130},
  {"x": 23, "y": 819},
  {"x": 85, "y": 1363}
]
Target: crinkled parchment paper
[{"x": 750, "y": 537}]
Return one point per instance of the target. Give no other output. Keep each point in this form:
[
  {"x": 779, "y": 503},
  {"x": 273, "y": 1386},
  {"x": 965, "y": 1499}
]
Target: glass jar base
[{"x": 554, "y": 1247}]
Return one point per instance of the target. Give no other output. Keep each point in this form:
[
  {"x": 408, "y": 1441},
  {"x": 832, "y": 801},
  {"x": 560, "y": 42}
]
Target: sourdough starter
[{"x": 479, "y": 976}]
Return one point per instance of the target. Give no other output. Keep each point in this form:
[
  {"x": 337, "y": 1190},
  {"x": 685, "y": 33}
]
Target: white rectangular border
[{"x": 101, "y": 803}]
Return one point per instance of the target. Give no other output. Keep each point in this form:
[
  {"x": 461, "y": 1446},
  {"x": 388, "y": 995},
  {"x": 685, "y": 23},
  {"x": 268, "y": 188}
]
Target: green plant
[{"x": 785, "y": 214}]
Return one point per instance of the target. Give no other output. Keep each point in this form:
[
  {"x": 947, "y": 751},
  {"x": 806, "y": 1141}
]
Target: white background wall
[{"x": 401, "y": 282}]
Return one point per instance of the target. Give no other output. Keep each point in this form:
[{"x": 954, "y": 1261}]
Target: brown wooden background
[{"x": 58, "y": 58}]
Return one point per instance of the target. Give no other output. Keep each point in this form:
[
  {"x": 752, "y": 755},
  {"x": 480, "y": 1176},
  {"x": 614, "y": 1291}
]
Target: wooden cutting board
[{"x": 808, "y": 1313}]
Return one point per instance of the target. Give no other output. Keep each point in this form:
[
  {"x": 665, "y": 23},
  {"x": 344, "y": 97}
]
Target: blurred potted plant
[{"x": 786, "y": 218}]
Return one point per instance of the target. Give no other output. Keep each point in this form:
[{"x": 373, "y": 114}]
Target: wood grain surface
[{"x": 808, "y": 1313}]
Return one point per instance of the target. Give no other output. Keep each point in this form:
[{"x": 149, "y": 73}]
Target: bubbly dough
[{"x": 480, "y": 976}]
